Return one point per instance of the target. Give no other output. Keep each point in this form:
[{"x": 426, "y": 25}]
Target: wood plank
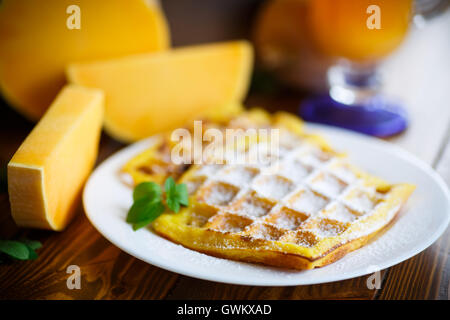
[
  {"x": 417, "y": 74},
  {"x": 106, "y": 271},
  {"x": 427, "y": 275},
  {"x": 189, "y": 288}
]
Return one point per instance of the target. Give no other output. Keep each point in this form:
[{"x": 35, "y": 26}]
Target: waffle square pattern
[{"x": 305, "y": 208}]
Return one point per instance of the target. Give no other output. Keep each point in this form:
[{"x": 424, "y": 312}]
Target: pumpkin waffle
[{"x": 307, "y": 208}]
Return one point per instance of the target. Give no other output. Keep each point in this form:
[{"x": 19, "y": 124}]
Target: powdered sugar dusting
[
  {"x": 238, "y": 175},
  {"x": 328, "y": 185},
  {"x": 294, "y": 170},
  {"x": 340, "y": 212},
  {"x": 273, "y": 187},
  {"x": 308, "y": 202},
  {"x": 252, "y": 207},
  {"x": 220, "y": 194}
]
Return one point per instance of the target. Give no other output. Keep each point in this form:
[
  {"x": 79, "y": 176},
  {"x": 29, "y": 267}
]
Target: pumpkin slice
[
  {"x": 150, "y": 93},
  {"x": 38, "y": 39},
  {"x": 47, "y": 173}
]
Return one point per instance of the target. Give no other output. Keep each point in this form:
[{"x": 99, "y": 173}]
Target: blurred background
[{"x": 295, "y": 47}]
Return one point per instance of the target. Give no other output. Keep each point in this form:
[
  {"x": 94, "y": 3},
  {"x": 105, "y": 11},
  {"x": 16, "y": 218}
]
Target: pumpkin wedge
[
  {"x": 156, "y": 92},
  {"x": 47, "y": 173},
  {"x": 39, "y": 38}
]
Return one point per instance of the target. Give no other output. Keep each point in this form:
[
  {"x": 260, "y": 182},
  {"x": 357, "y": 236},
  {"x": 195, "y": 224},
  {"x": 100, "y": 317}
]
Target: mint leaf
[
  {"x": 152, "y": 212},
  {"x": 138, "y": 210},
  {"x": 171, "y": 195},
  {"x": 139, "y": 225},
  {"x": 176, "y": 195},
  {"x": 32, "y": 255},
  {"x": 169, "y": 186},
  {"x": 23, "y": 249},
  {"x": 143, "y": 209},
  {"x": 32, "y": 244},
  {"x": 15, "y": 249},
  {"x": 149, "y": 190},
  {"x": 182, "y": 192},
  {"x": 148, "y": 203}
]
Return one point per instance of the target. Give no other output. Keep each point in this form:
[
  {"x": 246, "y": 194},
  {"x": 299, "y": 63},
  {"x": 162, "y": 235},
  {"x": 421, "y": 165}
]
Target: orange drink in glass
[{"x": 347, "y": 28}]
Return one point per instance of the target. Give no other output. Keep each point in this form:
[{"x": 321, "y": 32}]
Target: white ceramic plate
[{"x": 426, "y": 216}]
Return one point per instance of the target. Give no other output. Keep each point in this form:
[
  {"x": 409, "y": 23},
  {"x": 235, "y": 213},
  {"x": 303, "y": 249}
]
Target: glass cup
[{"x": 359, "y": 34}]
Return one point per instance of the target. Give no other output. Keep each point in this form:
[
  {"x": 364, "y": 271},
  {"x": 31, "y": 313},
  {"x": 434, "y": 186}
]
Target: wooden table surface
[{"x": 418, "y": 73}]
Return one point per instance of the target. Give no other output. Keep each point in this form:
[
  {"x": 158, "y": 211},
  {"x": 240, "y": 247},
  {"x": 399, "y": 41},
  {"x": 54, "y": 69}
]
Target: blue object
[{"x": 377, "y": 117}]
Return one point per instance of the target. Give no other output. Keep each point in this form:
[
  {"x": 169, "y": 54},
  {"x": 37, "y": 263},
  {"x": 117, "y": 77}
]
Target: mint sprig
[
  {"x": 20, "y": 249},
  {"x": 176, "y": 195},
  {"x": 148, "y": 201},
  {"x": 147, "y": 205}
]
